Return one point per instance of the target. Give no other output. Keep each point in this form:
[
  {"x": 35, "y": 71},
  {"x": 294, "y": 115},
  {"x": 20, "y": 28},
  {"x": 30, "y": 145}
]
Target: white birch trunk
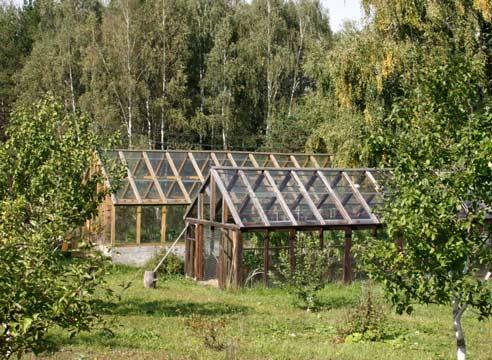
[
  {"x": 269, "y": 75},
  {"x": 129, "y": 74},
  {"x": 164, "y": 68},
  {"x": 458, "y": 329},
  {"x": 149, "y": 123}
]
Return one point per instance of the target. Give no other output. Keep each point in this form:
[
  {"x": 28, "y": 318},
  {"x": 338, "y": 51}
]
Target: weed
[{"x": 210, "y": 331}]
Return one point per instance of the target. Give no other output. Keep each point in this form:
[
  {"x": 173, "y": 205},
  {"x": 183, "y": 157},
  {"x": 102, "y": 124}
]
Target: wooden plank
[
  {"x": 196, "y": 167},
  {"x": 309, "y": 183},
  {"x": 347, "y": 258},
  {"x": 237, "y": 241},
  {"x": 254, "y": 199},
  {"x": 113, "y": 225},
  {"x": 273, "y": 159},
  {"x": 213, "y": 195},
  {"x": 321, "y": 239},
  {"x": 154, "y": 177},
  {"x": 199, "y": 252},
  {"x": 294, "y": 161},
  {"x": 163, "y": 224},
  {"x": 131, "y": 180},
  {"x": 178, "y": 177},
  {"x": 226, "y": 197},
  {"x": 360, "y": 198},
  {"x": 308, "y": 199},
  {"x": 335, "y": 198},
  {"x": 280, "y": 198},
  {"x": 314, "y": 161},
  {"x": 139, "y": 225},
  {"x": 266, "y": 258}
]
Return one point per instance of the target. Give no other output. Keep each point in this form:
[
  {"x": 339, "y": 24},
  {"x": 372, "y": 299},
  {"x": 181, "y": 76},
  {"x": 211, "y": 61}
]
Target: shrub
[
  {"x": 367, "y": 321},
  {"x": 173, "y": 265}
]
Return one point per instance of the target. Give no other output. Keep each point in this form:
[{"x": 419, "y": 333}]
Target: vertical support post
[
  {"x": 113, "y": 225},
  {"x": 163, "y": 224},
  {"x": 139, "y": 224},
  {"x": 347, "y": 258},
  {"x": 199, "y": 252},
  {"x": 237, "y": 241},
  {"x": 266, "y": 257},
  {"x": 292, "y": 249},
  {"x": 321, "y": 239},
  {"x": 399, "y": 244}
]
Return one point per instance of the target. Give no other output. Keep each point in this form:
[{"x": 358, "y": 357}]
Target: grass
[{"x": 259, "y": 324}]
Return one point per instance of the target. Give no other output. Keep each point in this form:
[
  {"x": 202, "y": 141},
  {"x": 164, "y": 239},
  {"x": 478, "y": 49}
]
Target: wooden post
[
  {"x": 292, "y": 249},
  {"x": 237, "y": 241},
  {"x": 399, "y": 244},
  {"x": 139, "y": 224},
  {"x": 113, "y": 225},
  {"x": 347, "y": 259},
  {"x": 199, "y": 252},
  {"x": 164, "y": 224},
  {"x": 221, "y": 265},
  {"x": 266, "y": 257},
  {"x": 321, "y": 239}
]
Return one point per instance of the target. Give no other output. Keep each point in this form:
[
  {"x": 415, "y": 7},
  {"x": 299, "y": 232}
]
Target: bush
[
  {"x": 367, "y": 321},
  {"x": 45, "y": 195},
  {"x": 173, "y": 265}
]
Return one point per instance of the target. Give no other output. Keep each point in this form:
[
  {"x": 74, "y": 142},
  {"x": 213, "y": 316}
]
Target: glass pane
[
  {"x": 346, "y": 195},
  {"x": 126, "y": 221},
  {"x": 150, "y": 231}
]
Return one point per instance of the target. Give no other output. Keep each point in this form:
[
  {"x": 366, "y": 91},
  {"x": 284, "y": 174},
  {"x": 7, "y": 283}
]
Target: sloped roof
[
  {"x": 158, "y": 177},
  {"x": 291, "y": 197}
]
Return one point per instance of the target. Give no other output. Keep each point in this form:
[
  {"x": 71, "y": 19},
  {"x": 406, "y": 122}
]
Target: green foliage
[
  {"x": 45, "y": 196},
  {"x": 309, "y": 275},
  {"x": 368, "y": 320},
  {"x": 173, "y": 265}
]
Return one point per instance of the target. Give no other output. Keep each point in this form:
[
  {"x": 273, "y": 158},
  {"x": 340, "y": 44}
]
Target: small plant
[
  {"x": 367, "y": 321},
  {"x": 310, "y": 273},
  {"x": 173, "y": 265},
  {"x": 210, "y": 331}
]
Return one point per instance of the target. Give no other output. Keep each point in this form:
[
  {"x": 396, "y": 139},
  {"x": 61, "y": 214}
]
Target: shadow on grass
[{"x": 172, "y": 308}]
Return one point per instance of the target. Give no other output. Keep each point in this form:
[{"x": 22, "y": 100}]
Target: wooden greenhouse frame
[
  {"x": 168, "y": 179},
  {"x": 237, "y": 200}
]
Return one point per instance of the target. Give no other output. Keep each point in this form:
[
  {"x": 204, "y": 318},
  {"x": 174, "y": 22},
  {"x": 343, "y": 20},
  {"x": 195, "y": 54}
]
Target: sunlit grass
[{"x": 260, "y": 324}]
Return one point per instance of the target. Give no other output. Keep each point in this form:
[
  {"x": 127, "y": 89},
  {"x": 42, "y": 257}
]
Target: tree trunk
[
  {"x": 149, "y": 123},
  {"x": 164, "y": 68},
  {"x": 458, "y": 329}
]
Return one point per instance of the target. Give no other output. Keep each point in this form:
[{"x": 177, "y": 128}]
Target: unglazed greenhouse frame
[{"x": 148, "y": 207}]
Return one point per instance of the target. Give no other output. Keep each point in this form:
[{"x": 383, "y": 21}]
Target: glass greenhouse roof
[
  {"x": 174, "y": 177},
  {"x": 289, "y": 197}
]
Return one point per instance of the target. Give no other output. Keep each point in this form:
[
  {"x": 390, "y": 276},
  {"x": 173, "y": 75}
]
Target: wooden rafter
[
  {"x": 280, "y": 198},
  {"x": 130, "y": 177},
  {"x": 154, "y": 177},
  {"x": 308, "y": 199},
  {"x": 226, "y": 197},
  {"x": 360, "y": 198},
  {"x": 178, "y": 177},
  {"x": 335, "y": 198}
]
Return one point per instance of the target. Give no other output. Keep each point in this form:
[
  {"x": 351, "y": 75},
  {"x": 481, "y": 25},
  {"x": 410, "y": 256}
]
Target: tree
[
  {"x": 45, "y": 197},
  {"x": 437, "y": 140}
]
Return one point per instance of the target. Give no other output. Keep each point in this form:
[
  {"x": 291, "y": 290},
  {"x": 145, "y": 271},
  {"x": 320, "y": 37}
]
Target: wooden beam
[
  {"x": 139, "y": 225},
  {"x": 294, "y": 161},
  {"x": 226, "y": 197},
  {"x": 196, "y": 167},
  {"x": 314, "y": 161},
  {"x": 199, "y": 252},
  {"x": 347, "y": 258},
  {"x": 154, "y": 177},
  {"x": 237, "y": 256},
  {"x": 280, "y": 198},
  {"x": 335, "y": 198},
  {"x": 299, "y": 197},
  {"x": 273, "y": 159},
  {"x": 178, "y": 177},
  {"x": 130, "y": 177},
  {"x": 163, "y": 224},
  {"x": 266, "y": 258},
  {"x": 308, "y": 199},
  {"x": 253, "y": 198},
  {"x": 113, "y": 225},
  {"x": 360, "y": 198}
]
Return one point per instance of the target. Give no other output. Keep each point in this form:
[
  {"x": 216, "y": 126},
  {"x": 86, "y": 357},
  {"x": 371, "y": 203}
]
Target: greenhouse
[
  {"x": 236, "y": 202},
  {"x": 148, "y": 207}
]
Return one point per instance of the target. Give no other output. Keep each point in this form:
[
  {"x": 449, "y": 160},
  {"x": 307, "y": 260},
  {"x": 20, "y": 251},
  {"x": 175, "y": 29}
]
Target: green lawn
[{"x": 259, "y": 324}]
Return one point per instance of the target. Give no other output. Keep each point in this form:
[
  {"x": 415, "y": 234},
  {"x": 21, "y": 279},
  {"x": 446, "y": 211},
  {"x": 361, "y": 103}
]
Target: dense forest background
[{"x": 231, "y": 74}]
